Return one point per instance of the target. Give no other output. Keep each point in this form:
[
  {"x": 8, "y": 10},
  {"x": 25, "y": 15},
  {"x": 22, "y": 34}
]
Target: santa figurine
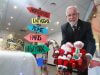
[
  {"x": 63, "y": 62},
  {"x": 56, "y": 54},
  {"x": 78, "y": 52},
  {"x": 64, "y": 56}
]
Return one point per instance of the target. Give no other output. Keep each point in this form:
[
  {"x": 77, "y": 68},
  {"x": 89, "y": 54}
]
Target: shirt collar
[{"x": 74, "y": 25}]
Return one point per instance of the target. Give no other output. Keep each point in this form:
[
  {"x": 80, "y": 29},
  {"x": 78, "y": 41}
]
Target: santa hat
[
  {"x": 69, "y": 45},
  {"x": 79, "y": 44},
  {"x": 64, "y": 47}
]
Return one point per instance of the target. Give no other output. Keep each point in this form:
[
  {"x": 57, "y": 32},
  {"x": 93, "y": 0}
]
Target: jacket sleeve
[
  {"x": 64, "y": 34},
  {"x": 89, "y": 40}
]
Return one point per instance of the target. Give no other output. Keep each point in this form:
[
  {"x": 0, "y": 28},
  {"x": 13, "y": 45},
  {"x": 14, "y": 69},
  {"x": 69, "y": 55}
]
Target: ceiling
[{"x": 14, "y": 16}]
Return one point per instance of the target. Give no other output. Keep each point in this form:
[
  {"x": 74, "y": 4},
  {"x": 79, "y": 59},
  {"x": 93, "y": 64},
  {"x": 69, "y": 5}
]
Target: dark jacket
[{"x": 83, "y": 33}]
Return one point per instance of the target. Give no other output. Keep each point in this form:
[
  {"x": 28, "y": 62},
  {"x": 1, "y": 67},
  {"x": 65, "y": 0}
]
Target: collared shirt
[{"x": 74, "y": 26}]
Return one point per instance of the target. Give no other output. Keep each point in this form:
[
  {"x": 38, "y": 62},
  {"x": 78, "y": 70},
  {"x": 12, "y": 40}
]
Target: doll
[
  {"x": 78, "y": 53},
  {"x": 64, "y": 56}
]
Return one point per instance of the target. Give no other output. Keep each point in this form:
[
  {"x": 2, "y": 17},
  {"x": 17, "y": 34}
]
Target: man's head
[{"x": 72, "y": 14}]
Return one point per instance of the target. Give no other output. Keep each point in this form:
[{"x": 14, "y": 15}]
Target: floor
[{"x": 51, "y": 71}]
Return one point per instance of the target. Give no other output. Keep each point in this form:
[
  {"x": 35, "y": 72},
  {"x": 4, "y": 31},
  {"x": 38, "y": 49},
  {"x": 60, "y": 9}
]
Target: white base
[
  {"x": 17, "y": 63},
  {"x": 94, "y": 71}
]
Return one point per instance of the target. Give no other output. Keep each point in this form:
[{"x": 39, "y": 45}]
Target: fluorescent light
[
  {"x": 57, "y": 22},
  {"x": 7, "y": 28},
  {"x": 11, "y": 17},
  {"x": 15, "y": 7},
  {"x": 51, "y": 29},
  {"x": 9, "y": 24},
  {"x": 1, "y": 39}
]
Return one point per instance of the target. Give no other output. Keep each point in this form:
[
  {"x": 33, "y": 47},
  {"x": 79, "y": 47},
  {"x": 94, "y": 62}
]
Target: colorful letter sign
[
  {"x": 38, "y": 29},
  {"x": 36, "y": 38},
  {"x": 38, "y": 12},
  {"x": 40, "y": 21},
  {"x": 36, "y": 49}
]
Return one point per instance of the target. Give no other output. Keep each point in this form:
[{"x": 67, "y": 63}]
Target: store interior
[{"x": 17, "y": 15}]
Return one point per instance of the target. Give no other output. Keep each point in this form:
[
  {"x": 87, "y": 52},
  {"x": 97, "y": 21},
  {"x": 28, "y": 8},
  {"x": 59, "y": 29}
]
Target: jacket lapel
[
  {"x": 69, "y": 28},
  {"x": 74, "y": 35},
  {"x": 78, "y": 30}
]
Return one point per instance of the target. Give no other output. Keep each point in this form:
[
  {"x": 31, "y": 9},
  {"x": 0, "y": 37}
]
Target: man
[{"x": 78, "y": 30}]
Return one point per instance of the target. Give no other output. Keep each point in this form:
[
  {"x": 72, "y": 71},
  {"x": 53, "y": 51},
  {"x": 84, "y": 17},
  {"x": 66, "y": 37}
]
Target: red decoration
[
  {"x": 70, "y": 57},
  {"x": 38, "y": 12}
]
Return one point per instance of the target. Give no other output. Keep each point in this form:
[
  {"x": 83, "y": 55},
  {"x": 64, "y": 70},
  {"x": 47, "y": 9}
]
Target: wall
[{"x": 57, "y": 38}]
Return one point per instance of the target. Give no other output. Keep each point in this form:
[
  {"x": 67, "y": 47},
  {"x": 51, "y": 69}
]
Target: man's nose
[{"x": 71, "y": 17}]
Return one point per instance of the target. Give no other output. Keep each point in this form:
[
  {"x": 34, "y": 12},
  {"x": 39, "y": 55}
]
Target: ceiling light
[
  {"x": 11, "y": 17},
  {"x": 94, "y": 15},
  {"x": 9, "y": 24},
  {"x": 7, "y": 28},
  {"x": 1, "y": 39},
  {"x": 57, "y": 22},
  {"x": 51, "y": 29},
  {"x": 15, "y": 7}
]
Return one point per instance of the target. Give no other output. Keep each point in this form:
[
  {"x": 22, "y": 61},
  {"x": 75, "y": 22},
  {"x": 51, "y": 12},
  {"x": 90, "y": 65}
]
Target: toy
[
  {"x": 70, "y": 56},
  {"x": 63, "y": 56},
  {"x": 76, "y": 63}
]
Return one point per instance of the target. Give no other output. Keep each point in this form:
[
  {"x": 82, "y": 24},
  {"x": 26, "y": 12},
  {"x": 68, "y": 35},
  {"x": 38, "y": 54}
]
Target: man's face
[{"x": 72, "y": 16}]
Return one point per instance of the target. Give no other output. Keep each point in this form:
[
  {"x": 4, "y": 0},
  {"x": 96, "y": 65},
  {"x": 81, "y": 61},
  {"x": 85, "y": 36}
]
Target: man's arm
[
  {"x": 89, "y": 41},
  {"x": 64, "y": 34}
]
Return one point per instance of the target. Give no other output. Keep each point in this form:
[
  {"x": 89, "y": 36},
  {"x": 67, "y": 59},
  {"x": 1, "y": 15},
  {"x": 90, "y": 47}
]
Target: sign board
[
  {"x": 40, "y": 21},
  {"x": 39, "y": 12},
  {"x": 36, "y": 49},
  {"x": 36, "y": 38},
  {"x": 37, "y": 29}
]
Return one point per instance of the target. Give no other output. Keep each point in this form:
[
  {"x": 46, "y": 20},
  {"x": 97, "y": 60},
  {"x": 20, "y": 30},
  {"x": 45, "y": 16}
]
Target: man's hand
[
  {"x": 88, "y": 58},
  {"x": 86, "y": 61}
]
